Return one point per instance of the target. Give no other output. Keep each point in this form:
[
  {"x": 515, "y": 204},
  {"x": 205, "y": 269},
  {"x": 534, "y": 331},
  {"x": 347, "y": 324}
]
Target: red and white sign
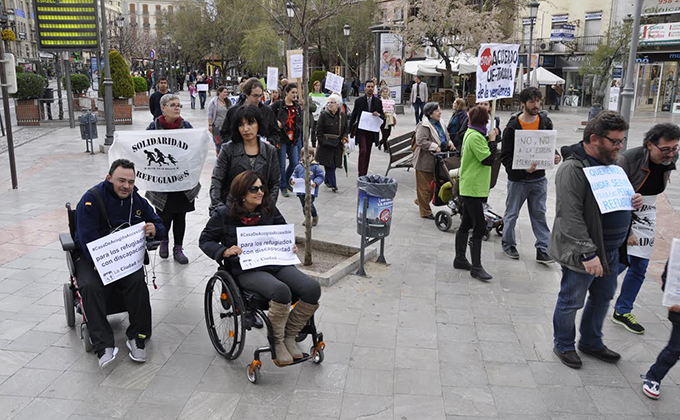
[
  {"x": 661, "y": 34},
  {"x": 496, "y": 71}
]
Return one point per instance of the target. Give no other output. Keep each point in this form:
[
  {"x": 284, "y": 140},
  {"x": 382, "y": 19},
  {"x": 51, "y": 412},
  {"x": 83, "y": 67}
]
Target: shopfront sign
[
  {"x": 593, "y": 15},
  {"x": 561, "y": 18},
  {"x": 661, "y": 34},
  {"x": 66, "y": 26},
  {"x": 659, "y": 7},
  {"x": 562, "y": 32}
]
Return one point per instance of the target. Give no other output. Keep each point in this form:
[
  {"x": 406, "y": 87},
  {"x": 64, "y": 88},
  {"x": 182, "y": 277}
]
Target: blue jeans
[
  {"x": 293, "y": 154},
  {"x": 418, "y": 107},
  {"x": 193, "y": 102},
  {"x": 667, "y": 358},
  {"x": 202, "y": 97},
  {"x": 302, "y": 201},
  {"x": 331, "y": 180},
  {"x": 535, "y": 192},
  {"x": 573, "y": 289},
  {"x": 631, "y": 284}
]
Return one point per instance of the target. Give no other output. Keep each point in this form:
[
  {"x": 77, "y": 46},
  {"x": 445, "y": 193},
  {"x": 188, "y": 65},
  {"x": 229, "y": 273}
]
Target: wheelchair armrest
[{"x": 67, "y": 242}]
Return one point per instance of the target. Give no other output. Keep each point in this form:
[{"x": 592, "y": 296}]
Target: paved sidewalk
[{"x": 416, "y": 340}]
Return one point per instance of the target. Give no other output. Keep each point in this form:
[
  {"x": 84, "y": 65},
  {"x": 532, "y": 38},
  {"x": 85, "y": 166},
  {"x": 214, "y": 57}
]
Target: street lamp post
[
  {"x": 345, "y": 30},
  {"x": 627, "y": 92},
  {"x": 533, "y": 12},
  {"x": 108, "y": 83},
  {"x": 290, "y": 11},
  {"x": 120, "y": 22}
]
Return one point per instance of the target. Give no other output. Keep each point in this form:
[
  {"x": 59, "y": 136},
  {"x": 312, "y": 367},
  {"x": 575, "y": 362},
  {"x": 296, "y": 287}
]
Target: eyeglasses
[
  {"x": 667, "y": 150},
  {"x": 616, "y": 142},
  {"x": 256, "y": 96},
  {"x": 174, "y": 106},
  {"x": 253, "y": 189}
]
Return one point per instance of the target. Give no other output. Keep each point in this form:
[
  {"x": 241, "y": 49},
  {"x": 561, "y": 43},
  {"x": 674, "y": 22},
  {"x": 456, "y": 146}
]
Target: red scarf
[{"x": 170, "y": 125}]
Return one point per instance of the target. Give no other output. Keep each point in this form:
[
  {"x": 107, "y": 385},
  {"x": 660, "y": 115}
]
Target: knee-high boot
[
  {"x": 296, "y": 322},
  {"x": 477, "y": 271},
  {"x": 460, "y": 261},
  {"x": 278, "y": 316}
]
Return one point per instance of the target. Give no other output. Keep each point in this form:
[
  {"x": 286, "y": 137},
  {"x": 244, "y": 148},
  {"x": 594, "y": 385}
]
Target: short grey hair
[
  {"x": 429, "y": 108},
  {"x": 337, "y": 98},
  {"x": 167, "y": 98}
]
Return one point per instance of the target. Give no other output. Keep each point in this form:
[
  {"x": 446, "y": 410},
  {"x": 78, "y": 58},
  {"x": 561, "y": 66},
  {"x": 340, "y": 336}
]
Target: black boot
[
  {"x": 460, "y": 261},
  {"x": 477, "y": 271}
]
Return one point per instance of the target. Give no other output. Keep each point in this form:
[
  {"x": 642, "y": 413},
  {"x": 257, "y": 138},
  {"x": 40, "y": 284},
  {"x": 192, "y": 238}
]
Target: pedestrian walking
[
  {"x": 559, "y": 91},
  {"x": 478, "y": 155},
  {"x": 173, "y": 207},
  {"x": 648, "y": 168},
  {"x": 193, "y": 94},
  {"x": 316, "y": 178},
  {"x": 289, "y": 118},
  {"x": 528, "y": 185},
  {"x": 155, "y": 98},
  {"x": 458, "y": 123},
  {"x": 586, "y": 243},
  {"x": 419, "y": 97},
  {"x": 331, "y": 137},
  {"x": 217, "y": 113},
  {"x": 365, "y": 139},
  {"x": 251, "y": 94},
  {"x": 202, "y": 93},
  {"x": 390, "y": 118}
]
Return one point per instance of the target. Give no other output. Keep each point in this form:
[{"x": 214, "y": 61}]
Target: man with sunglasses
[
  {"x": 648, "y": 168},
  {"x": 252, "y": 94},
  {"x": 586, "y": 243}
]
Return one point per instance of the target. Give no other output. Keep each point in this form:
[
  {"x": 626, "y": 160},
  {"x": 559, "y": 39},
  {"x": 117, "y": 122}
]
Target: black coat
[
  {"x": 333, "y": 125},
  {"x": 281, "y": 113},
  {"x": 508, "y": 147},
  {"x": 233, "y": 160},
  {"x": 270, "y": 130},
  {"x": 155, "y": 104},
  {"x": 360, "y": 105},
  {"x": 220, "y": 234}
]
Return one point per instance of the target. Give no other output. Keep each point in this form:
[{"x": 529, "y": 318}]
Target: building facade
[{"x": 18, "y": 15}]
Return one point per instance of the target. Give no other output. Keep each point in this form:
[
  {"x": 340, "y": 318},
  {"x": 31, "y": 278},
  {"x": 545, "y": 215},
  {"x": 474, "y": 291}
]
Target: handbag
[{"x": 333, "y": 140}]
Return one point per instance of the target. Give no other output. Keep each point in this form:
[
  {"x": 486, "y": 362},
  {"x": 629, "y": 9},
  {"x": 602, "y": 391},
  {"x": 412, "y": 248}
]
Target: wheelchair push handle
[
  {"x": 447, "y": 154},
  {"x": 152, "y": 245}
]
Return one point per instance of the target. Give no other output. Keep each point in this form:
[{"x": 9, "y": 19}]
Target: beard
[{"x": 606, "y": 156}]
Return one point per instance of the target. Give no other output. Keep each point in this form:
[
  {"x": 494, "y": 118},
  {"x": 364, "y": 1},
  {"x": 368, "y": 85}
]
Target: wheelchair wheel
[
  {"x": 223, "y": 316},
  {"x": 253, "y": 373},
  {"x": 499, "y": 229},
  {"x": 443, "y": 221},
  {"x": 69, "y": 307},
  {"x": 318, "y": 357},
  {"x": 85, "y": 336}
]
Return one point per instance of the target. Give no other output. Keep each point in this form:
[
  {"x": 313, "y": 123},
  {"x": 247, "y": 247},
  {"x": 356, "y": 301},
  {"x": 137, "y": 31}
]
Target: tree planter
[
  {"x": 28, "y": 112},
  {"x": 122, "y": 110},
  {"x": 141, "y": 100},
  {"x": 83, "y": 103}
]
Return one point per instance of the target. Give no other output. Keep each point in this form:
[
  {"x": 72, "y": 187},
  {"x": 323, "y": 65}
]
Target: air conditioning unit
[{"x": 545, "y": 46}]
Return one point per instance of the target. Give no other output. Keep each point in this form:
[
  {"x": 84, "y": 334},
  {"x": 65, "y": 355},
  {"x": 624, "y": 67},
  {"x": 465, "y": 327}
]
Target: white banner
[
  {"x": 611, "y": 188},
  {"x": 320, "y": 102},
  {"x": 272, "y": 78},
  {"x": 202, "y": 87},
  {"x": 496, "y": 71},
  {"x": 119, "y": 254},
  {"x": 165, "y": 160},
  {"x": 671, "y": 294},
  {"x": 334, "y": 82},
  {"x": 643, "y": 226},
  {"x": 534, "y": 146},
  {"x": 266, "y": 245}
]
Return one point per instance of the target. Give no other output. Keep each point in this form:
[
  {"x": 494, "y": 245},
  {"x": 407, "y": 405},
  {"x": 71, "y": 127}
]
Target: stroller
[{"x": 446, "y": 201}]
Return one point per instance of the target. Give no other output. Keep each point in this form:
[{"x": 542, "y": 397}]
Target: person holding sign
[
  {"x": 331, "y": 137},
  {"x": 111, "y": 205},
  {"x": 366, "y": 139},
  {"x": 649, "y": 168},
  {"x": 390, "y": 120},
  {"x": 528, "y": 185},
  {"x": 586, "y": 240},
  {"x": 251, "y": 205},
  {"x": 317, "y": 178}
]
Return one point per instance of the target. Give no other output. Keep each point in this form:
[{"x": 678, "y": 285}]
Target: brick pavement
[{"x": 416, "y": 340}]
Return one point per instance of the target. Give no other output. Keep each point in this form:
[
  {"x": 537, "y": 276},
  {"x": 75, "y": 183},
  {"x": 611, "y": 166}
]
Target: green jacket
[{"x": 475, "y": 165}]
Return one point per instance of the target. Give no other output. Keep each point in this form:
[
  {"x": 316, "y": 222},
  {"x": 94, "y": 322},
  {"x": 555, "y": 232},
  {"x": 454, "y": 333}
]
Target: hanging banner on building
[
  {"x": 391, "y": 64},
  {"x": 165, "y": 160},
  {"x": 496, "y": 71}
]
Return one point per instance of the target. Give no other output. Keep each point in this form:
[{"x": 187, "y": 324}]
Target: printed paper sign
[
  {"x": 299, "y": 185},
  {"x": 272, "y": 78},
  {"x": 202, "y": 87},
  {"x": 671, "y": 294},
  {"x": 614, "y": 98},
  {"x": 165, "y": 160},
  {"x": 320, "y": 102},
  {"x": 334, "y": 82},
  {"x": 643, "y": 226},
  {"x": 369, "y": 122},
  {"x": 388, "y": 105},
  {"x": 534, "y": 146},
  {"x": 119, "y": 254},
  {"x": 295, "y": 66},
  {"x": 496, "y": 71},
  {"x": 266, "y": 245},
  {"x": 611, "y": 188}
]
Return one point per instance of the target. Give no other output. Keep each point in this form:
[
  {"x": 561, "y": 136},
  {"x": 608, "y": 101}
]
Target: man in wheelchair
[{"x": 111, "y": 205}]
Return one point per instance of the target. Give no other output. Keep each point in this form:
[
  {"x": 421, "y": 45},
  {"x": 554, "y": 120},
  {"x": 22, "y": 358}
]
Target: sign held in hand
[
  {"x": 534, "y": 146},
  {"x": 671, "y": 294},
  {"x": 334, "y": 82},
  {"x": 266, "y": 245},
  {"x": 119, "y": 254},
  {"x": 611, "y": 188},
  {"x": 369, "y": 122}
]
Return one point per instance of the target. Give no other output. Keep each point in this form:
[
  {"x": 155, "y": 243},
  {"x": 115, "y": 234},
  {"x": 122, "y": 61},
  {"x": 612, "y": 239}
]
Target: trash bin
[
  {"x": 88, "y": 126},
  {"x": 379, "y": 191}
]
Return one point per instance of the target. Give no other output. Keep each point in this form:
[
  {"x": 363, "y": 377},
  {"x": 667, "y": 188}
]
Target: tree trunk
[{"x": 307, "y": 161}]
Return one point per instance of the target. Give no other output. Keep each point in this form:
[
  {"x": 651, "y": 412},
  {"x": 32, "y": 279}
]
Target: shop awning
[
  {"x": 544, "y": 77},
  {"x": 422, "y": 68},
  {"x": 463, "y": 64}
]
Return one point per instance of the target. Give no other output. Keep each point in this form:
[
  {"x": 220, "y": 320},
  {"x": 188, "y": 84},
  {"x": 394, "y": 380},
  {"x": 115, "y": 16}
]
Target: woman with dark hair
[
  {"x": 479, "y": 153},
  {"x": 247, "y": 150},
  {"x": 289, "y": 116},
  {"x": 172, "y": 207},
  {"x": 217, "y": 112},
  {"x": 250, "y": 205}
]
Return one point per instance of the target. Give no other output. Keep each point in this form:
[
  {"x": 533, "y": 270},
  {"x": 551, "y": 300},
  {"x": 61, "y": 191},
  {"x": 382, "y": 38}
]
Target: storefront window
[{"x": 654, "y": 86}]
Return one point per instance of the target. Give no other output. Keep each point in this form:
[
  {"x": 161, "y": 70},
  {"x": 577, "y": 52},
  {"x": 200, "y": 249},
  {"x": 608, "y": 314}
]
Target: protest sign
[
  {"x": 388, "y": 105},
  {"x": 165, "y": 160},
  {"x": 320, "y": 100},
  {"x": 233, "y": 100},
  {"x": 369, "y": 122},
  {"x": 266, "y": 245},
  {"x": 294, "y": 64},
  {"x": 614, "y": 98},
  {"x": 202, "y": 87},
  {"x": 671, "y": 294},
  {"x": 534, "y": 146},
  {"x": 272, "y": 78},
  {"x": 119, "y": 254},
  {"x": 334, "y": 82},
  {"x": 643, "y": 226},
  {"x": 496, "y": 71},
  {"x": 298, "y": 185},
  {"x": 611, "y": 188}
]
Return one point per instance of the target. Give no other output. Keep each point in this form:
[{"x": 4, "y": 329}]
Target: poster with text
[
  {"x": 320, "y": 100},
  {"x": 534, "y": 146},
  {"x": 671, "y": 294},
  {"x": 272, "y": 78},
  {"x": 294, "y": 64},
  {"x": 118, "y": 254},
  {"x": 391, "y": 64},
  {"x": 611, "y": 187},
  {"x": 334, "y": 82},
  {"x": 496, "y": 71},
  {"x": 266, "y": 245}
]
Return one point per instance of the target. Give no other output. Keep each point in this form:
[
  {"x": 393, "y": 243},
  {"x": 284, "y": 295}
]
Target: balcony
[{"x": 580, "y": 44}]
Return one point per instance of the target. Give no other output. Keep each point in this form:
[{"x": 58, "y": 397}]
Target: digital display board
[{"x": 66, "y": 25}]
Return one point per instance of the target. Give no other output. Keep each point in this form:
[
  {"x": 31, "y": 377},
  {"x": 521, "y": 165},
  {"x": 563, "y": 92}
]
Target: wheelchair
[
  {"x": 228, "y": 309},
  {"x": 72, "y": 301}
]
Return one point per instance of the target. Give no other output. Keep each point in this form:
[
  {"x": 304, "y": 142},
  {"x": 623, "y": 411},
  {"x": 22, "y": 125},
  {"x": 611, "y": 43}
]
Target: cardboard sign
[
  {"x": 272, "y": 78},
  {"x": 496, "y": 71},
  {"x": 334, "y": 82},
  {"x": 534, "y": 146},
  {"x": 119, "y": 254},
  {"x": 671, "y": 294},
  {"x": 165, "y": 160},
  {"x": 611, "y": 188},
  {"x": 266, "y": 245}
]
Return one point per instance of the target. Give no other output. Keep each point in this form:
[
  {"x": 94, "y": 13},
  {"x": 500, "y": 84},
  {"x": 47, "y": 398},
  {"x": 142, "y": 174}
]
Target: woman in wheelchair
[{"x": 249, "y": 204}]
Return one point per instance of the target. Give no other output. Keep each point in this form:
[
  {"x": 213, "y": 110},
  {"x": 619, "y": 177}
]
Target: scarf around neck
[
  {"x": 170, "y": 125},
  {"x": 480, "y": 129}
]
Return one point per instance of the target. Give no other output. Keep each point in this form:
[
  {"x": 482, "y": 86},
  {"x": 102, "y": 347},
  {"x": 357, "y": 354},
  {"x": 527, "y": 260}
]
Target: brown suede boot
[
  {"x": 278, "y": 316},
  {"x": 296, "y": 322}
]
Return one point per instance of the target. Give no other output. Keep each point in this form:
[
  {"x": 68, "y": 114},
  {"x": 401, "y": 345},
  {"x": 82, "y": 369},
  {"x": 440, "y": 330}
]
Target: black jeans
[
  {"x": 94, "y": 293},
  {"x": 302, "y": 201},
  {"x": 281, "y": 284},
  {"x": 473, "y": 216},
  {"x": 178, "y": 222},
  {"x": 668, "y": 356}
]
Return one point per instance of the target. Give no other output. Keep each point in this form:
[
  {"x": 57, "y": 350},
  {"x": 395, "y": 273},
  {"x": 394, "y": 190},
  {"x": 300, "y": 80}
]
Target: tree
[
  {"x": 260, "y": 48},
  {"x": 454, "y": 26},
  {"x": 612, "y": 48},
  {"x": 120, "y": 74}
]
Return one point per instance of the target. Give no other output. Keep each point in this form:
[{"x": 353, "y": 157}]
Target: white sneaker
[
  {"x": 137, "y": 350},
  {"x": 108, "y": 356}
]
